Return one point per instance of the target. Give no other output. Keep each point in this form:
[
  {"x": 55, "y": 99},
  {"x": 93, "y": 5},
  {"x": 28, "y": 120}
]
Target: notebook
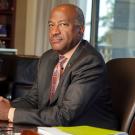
[{"x": 77, "y": 130}]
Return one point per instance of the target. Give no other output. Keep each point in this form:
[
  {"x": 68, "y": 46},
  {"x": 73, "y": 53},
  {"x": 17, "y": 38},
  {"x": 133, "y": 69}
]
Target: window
[
  {"x": 114, "y": 29},
  {"x": 86, "y": 6},
  {"x": 105, "y": 28}
]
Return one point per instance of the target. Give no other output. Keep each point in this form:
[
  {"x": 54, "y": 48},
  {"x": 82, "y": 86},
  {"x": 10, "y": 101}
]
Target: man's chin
[
  {"x": 56, "y": 47},
  {"x": 60, "y": 51}
]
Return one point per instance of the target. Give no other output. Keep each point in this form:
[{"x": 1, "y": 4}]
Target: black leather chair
[
  {"x": 121, "y": 73},
  {"x": 132, "y": 127},
  {"x": 17, "y": 75},
  {"x": 7, "y": 65},
  {"x": 24, "y": 75}
]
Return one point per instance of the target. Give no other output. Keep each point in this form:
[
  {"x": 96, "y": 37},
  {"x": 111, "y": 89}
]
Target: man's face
[{"x": 63, "y": 33}]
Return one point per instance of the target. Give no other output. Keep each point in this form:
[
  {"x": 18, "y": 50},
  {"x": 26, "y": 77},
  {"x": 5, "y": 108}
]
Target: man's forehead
[
  {"x": 61, "y": 16},
  {"x": 64, "y": 10},
  {"x": 59, "y": 21}
]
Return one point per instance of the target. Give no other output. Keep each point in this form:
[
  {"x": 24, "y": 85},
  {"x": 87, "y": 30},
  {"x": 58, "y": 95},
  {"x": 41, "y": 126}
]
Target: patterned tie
[{"x": 58, "y": 70}]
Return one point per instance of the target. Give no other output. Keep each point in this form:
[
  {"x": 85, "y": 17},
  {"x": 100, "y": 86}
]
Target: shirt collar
[{"x": 70, "y": 53}]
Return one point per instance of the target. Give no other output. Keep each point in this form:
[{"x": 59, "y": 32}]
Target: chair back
[
  {"x": 132, "y": 127},
  {"x": 25, "y": 73},
  {"x": 121, "y": 73}
]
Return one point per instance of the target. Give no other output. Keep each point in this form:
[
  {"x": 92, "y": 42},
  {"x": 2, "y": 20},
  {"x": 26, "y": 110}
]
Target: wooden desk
[
  {"x": 29, "y": 132},
  {"x": 10, "y": 128}
]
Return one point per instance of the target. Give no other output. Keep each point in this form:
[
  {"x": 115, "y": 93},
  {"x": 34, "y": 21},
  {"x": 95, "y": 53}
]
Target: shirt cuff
[{"x": 11, "y": 114}]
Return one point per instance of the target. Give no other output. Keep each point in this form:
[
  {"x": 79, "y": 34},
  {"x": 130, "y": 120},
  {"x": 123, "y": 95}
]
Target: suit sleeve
[
  {"x": 85, "y": 81},
  {"x": 29, "y": 101}
]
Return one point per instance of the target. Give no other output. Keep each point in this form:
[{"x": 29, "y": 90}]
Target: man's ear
[{"x": 81, "y": 30}]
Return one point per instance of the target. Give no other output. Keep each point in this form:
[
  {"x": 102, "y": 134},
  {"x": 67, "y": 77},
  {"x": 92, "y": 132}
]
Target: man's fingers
[{"x": 2, "y": 99}]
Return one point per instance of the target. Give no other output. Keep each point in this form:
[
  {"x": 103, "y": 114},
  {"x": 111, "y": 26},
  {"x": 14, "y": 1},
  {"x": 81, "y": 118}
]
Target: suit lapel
[
  {"x": 67, "y": 68},
  {"x": 50, "y": 67}
]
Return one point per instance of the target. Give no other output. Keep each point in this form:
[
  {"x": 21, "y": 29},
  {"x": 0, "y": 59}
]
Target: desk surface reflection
[{"x": 17, "y": 129}]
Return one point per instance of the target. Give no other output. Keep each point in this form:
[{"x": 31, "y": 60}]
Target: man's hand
[{"x": 4, "y": 108}]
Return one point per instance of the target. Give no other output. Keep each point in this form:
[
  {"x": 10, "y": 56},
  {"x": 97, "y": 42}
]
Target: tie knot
[{"x": 62, "y": 59}]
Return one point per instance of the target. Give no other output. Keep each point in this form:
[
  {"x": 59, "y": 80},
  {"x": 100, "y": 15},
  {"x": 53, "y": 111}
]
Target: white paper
[
  {"x": 121, "y": 133},
  {"x": 51, "y": 131}
]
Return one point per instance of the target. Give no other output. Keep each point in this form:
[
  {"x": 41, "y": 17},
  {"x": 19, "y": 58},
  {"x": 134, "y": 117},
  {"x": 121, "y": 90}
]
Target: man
[{"x": 82, "y": 95}]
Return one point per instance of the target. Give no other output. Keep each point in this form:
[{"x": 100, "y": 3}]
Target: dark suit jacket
[{"x": 82, "y": 96}]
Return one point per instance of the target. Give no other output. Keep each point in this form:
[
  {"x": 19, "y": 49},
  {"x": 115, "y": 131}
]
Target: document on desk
[
  {"x": 77, "y": 130},
  {"x": 51, "y": 131}
]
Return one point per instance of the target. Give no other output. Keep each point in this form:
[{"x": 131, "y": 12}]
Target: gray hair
[
  {"x": 80, "y": 16},
  {"x": 79, "y": 19}
]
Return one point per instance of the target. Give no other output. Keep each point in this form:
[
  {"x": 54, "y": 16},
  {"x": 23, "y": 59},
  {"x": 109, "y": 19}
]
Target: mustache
[{"x": 56, "y": 37}]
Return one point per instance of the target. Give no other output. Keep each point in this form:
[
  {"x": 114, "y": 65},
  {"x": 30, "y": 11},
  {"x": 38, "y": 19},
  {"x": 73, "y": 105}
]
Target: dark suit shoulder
[
  {"x": 89, "y": 52},
  {"x": 89, "y": 49}
]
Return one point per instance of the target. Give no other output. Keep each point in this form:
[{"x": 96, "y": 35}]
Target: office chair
[
  {"x": 132, "y": 127},
  {"x": 121, "y": 74}
]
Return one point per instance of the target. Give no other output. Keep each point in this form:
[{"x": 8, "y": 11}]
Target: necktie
[{"x": 58, "y": 70}]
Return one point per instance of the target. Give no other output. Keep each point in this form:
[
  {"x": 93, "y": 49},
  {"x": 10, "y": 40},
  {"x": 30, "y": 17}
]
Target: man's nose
[{"x": 56, "y": 30}]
